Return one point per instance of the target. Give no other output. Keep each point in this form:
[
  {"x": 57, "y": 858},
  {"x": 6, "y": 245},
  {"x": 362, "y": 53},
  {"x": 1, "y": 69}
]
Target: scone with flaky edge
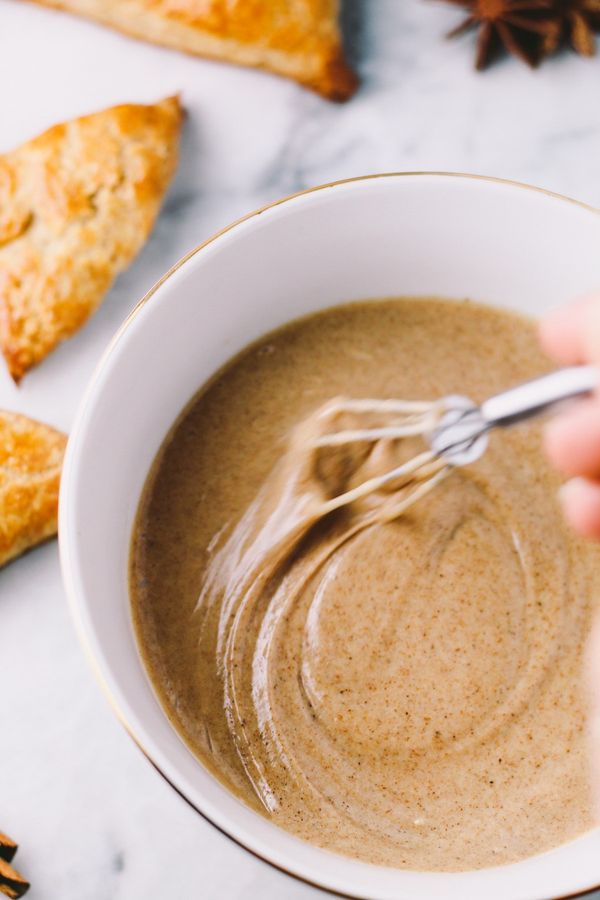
[
  {"x": 76, "y": 204},
  {"x": 298, "y": 39},
  {"x": 31, "y": 456}
]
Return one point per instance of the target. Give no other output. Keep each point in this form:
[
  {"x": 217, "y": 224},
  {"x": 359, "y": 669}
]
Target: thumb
[{"x": 591, "y": 332}]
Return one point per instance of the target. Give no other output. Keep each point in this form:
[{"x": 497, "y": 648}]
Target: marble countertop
[{"x": 93, "y": 819}]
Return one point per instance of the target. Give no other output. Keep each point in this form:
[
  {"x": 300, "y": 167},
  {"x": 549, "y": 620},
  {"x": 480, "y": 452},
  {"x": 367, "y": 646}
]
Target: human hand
[{"x": 571, "y": 336}]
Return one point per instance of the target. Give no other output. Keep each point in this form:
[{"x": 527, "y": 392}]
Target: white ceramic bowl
[{"x": 449, "y": 235}]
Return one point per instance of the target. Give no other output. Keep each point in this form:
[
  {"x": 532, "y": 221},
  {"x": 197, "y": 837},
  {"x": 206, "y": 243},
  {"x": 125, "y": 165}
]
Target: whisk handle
[{"x": 535, "y": 397}]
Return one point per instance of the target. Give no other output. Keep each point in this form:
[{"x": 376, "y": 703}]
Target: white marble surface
[{"x": 94, "y": 820}]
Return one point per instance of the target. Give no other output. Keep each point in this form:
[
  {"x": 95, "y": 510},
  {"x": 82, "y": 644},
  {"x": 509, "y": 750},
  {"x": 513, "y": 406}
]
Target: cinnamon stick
[
  {"x": 8, "y": 848},
  {"x": 12, "y": 884}
]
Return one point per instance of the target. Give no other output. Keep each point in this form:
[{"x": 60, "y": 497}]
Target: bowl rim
[{"x": 68, "y": 581}]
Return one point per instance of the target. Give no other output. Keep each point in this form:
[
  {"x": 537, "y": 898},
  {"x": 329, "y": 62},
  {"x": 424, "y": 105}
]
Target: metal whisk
[
  {"x": 461, "y": 435},
  {"x": 455, "y": 429}
]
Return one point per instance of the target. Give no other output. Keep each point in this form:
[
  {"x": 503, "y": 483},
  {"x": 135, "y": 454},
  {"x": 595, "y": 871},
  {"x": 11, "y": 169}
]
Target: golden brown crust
[
  {"x": 31, "y": 456},
  {"x": 298, "y": 39},
  {"x": 76, "y": 204}
]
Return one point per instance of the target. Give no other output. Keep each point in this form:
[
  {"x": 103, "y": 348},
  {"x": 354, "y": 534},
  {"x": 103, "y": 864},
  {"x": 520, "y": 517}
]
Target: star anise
[
  {"x": 580, "y": 19},
  {"x": 529, "y": 29}
]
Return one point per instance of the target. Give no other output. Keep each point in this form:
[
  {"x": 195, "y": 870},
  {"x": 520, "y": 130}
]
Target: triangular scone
[
  {"x": 76, "y": 204},
  {"x": 31, "y": 456},
  {"x": 299, "y": 39}
]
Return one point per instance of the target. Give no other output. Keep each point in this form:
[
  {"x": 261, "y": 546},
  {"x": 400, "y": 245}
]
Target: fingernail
[{"x": 570, "y": 490}]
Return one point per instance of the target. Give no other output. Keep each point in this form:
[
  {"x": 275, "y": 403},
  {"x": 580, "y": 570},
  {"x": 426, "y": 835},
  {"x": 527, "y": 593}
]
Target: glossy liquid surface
[{"x": 406, "y": 692}]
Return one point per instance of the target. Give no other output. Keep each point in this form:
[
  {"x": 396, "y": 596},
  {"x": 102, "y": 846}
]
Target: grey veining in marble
[{"x": 94, "y": 820}]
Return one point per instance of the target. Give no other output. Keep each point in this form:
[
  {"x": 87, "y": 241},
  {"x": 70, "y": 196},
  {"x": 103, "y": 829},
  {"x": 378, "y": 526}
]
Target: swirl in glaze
[{"x": 405, "y": 691}]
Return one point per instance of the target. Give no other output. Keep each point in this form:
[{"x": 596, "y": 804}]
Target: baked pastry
[
  {"x": 76, "y": 204},
  {"x": 31, "y": 456},
  {"x": 299, "y": 39}
]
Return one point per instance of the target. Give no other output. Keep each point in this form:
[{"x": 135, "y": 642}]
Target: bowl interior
[{"x": 444, "y": 235}]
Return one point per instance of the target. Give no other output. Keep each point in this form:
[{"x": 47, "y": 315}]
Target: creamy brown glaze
[{"x": 404, "y": 692}]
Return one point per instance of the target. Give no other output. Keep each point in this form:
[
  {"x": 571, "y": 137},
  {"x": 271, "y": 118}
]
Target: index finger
[{"x": 562, "y": 332}]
